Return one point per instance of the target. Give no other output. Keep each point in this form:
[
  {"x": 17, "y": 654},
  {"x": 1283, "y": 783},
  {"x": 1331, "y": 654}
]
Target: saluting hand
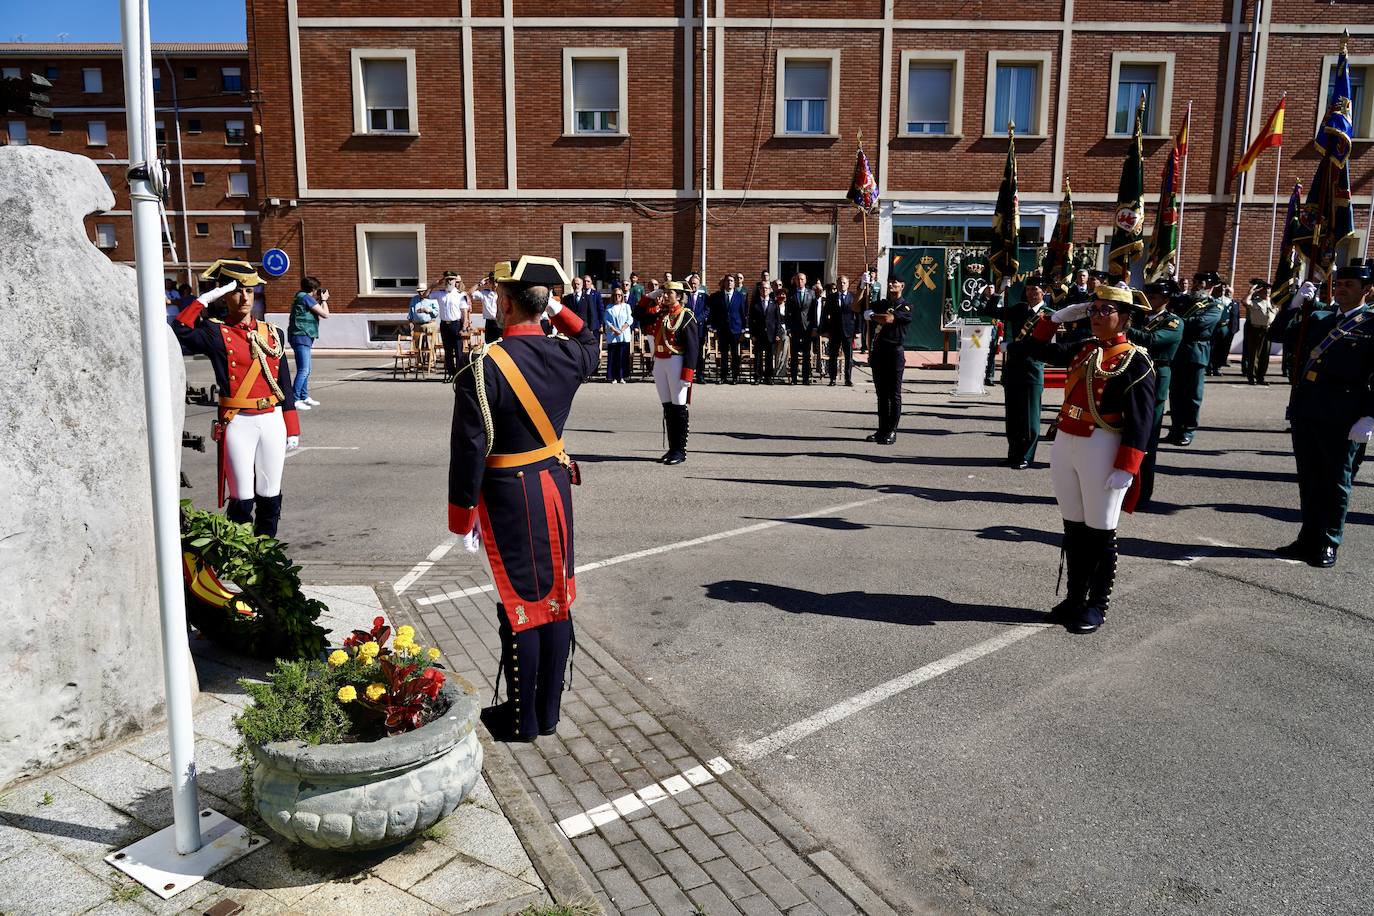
[
  {"x": 1070, "y": 313},
  {"x": 212, "y": 295},
  {"x": 1363, "y": 430}
]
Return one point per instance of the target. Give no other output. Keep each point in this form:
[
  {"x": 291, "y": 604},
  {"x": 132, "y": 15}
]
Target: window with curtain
[
  {"x": 243, "y": 235},
  {"x": 238, "y": 184},
  {"x": 596, "y": 95},
  {"x": 232, "y": 78},
  {"x": 386, "y": 96},
  {"x": 104, "y": 235},
  {"x": 90, "y": 80},
  {"x": 393, "y": 260},
  {"x": 1133, "y": 81},
  {"x": 235, "y": 133},
  {"x": 19, "y": 133},
  {"x": 95, "y": 133},
  {"x": 1018, "y": 86},
  {"x": 928, "y": 96},
  {"x": 1359, "y": 118},
  {"x": 806, "y": 96}
]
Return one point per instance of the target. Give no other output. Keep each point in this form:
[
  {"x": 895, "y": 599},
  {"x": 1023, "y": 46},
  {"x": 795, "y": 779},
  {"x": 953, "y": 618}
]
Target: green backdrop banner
[{"x": 923, "y": 271}]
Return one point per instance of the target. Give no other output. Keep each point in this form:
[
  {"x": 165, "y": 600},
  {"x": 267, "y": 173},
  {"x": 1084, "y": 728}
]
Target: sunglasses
[{"x": 1103, "y": 310}]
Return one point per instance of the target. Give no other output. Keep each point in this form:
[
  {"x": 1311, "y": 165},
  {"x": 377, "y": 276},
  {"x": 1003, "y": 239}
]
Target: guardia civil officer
[
  {"x": 1331, "y": 407},
  {"x": 510, "y": 478},
  {"x": 1104, "y": 428},
  {"x": 887, "y": 359},
  {"x": 257, "y": 423},
  {"x": 1023, "y": 375},
  {"x": 676, "y": 349},
  {"x": 1200, "y": 314},
  {"x": 1160, "y": 333}
]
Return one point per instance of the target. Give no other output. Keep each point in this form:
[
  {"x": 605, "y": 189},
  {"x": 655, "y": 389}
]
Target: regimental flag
[
  {"x": 1326, "y": 219},
  {"x": 1286, "y": 276},
  {"x": 1271, "y": 136},
  {"x": 1057, "y": 265},
  {"x": 863, "y": 188},
  {"x": 1127, "y": 234},
  {"x": 1164, "y": 236},
  {"x": 1006, "y": 220}
]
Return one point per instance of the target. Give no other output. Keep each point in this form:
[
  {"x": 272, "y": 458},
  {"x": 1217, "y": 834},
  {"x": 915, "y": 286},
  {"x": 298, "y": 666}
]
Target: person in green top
[
  {"x": 1331, "y": 407},
  {"x": 1200, "y": 314},
  {"x": 310, "y": 305},
  {"x": 1160, "y": 333},
  {"x": 1023, "y": 375}
]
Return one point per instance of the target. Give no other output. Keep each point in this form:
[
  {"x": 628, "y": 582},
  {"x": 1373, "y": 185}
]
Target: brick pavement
[{"x": 667, "y": 826}]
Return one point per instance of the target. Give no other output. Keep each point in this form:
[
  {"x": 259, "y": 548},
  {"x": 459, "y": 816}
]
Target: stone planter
[{"x": 378, "y": 793}]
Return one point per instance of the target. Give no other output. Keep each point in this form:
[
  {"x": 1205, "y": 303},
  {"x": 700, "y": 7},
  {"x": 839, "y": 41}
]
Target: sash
[
  {"x": 1339, "y": 331},
  {"x": 553, "y": 445}
]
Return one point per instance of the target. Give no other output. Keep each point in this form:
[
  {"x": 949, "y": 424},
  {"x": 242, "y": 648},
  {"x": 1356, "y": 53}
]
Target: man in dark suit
[
  {"x": 700, "y": 309},
  {"x": 840, "y": 323},
  {"x": 765, "y": 327},
  {"x": 803, "y": 328},
  {"x": 728, "y": 313},
  {"x": 585, "y": 304}
]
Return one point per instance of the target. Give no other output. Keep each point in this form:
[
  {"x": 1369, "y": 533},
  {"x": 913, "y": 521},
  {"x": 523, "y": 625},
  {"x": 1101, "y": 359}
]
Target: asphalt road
[{"x": 878, "y": 668}]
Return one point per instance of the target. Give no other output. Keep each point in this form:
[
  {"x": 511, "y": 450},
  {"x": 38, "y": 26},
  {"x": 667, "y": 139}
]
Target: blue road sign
[{"x": 275, "y": 262}]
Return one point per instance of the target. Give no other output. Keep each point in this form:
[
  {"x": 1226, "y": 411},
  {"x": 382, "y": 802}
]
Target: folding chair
[{"x": 404, "y": 357}]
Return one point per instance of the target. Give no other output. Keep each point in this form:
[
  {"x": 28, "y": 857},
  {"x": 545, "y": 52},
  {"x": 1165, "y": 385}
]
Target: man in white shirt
[
  {"x": 453, "y": 313},
  {"x": 1255, "y": 346},
  {"x": 485, "y": 293}
]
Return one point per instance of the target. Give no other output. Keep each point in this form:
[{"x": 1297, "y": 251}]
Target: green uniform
[
  {"x": 1160, "y": 335},
  {"x": 1335, "y": 387},
  {"x": 1200, "y": 317},
  {"x": 1023, "y": 380}
]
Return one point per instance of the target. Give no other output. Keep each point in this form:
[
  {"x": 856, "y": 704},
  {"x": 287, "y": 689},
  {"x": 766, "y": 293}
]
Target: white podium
[{"x": 975, "y": 349}]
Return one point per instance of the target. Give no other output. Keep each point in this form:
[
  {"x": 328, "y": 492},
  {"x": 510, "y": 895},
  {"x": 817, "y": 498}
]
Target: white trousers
[
  {"x": 1079, "y": 467},
  {"x": 668, "y": 379},
  {"x": 254, "y": 453}
]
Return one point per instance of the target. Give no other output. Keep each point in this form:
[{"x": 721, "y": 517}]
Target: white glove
[
  {"x": 1118, "y": 480},
  {"x": 293, "y": 443},
  {"x": 1362, "y": 430},
  {"x": 212, "y": 295},
  {"x": 1308, "y": 291},
  {"x": 553, "y": 308},
  {"x": 868, "y": 314},
  {"x": 472, "y": 541},
  {"x": 1070, "y": 313},
  {"x": 1006, "y": 284}
]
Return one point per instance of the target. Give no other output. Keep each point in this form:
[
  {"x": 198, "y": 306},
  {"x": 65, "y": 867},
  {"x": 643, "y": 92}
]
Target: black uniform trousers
[
  {"x": 448, "y": 332},
  {"x": 1326, "y": 469},
  {"x": 835, "y": 345},
  {"x": 764, "y": 358},
  {"x": 889, "y": 367},
  {"x": 1147, "y": 464},
  {"x": 729, "y": 356},
  {"x": 491, "y": 330},
  {"x": 1023, "y": 387},
  {"x": 534, "y": 661}
]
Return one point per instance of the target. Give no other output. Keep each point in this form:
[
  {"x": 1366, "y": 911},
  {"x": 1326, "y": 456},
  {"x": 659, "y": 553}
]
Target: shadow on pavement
[
  {"x": 1131, "y": 547},
  {"x": 934, "y": 494},
  {"x": 911, "y": 610}
]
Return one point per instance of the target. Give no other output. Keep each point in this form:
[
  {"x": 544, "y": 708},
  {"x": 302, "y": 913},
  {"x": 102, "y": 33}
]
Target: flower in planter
[
  {"x": 337, "y": 658},
  {"x": 375, "y": 692},
  {"x": 433, "y": 654},
  {"x": 347, "y": 694}
]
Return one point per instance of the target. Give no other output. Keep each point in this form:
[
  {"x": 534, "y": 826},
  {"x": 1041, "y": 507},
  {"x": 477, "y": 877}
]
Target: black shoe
[
  {"x": 873, "y": 437},
  {"x": 1324, "y": 558},
  {"x": 1020, "y": 465},
  {"x": 1263, "y": 382},
  {"x": 889, "y": 439},
  {"x": 1294, "y": 551},
  {"x": 1089, "y": 620},
  {"x": 548, "y": 731},
  {"x": 832, "y": 384},
  {"x": 848, "y": 383},
  {"x": 1186, "y": 439},
  {"x": 675, "y": 458}
]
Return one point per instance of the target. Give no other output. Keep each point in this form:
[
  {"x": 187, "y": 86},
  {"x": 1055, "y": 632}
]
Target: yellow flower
[
  {"x": 404, "y": 634},
  {"x": 347, "y": 694},
  {"x": 369, "y": 649},
  {"x": 374, "y": 691},
  {"x": 337, "y": 657},
  {"x": 433, "y": 655}
]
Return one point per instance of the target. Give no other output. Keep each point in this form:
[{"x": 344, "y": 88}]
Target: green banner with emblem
[{"x": 923, "y": 272}]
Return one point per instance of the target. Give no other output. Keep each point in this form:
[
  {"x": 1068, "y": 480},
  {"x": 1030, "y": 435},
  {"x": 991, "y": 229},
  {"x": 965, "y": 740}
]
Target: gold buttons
[{"x": 519, "y": 473}]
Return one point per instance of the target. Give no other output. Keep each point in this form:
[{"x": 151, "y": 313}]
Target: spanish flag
[{"x": 1272, "y": 135}]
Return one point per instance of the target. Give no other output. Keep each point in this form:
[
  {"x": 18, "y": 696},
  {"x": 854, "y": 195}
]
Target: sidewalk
[{"x": 655, "y": 819}]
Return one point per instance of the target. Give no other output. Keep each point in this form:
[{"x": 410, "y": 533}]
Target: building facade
[
  {"x": 447, "y": 136},
  {"x": 205, "y": 136}
]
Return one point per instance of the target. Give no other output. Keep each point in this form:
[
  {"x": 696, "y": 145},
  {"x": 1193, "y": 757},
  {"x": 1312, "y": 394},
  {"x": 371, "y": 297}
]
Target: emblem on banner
[{"x": 925, "y": 272}]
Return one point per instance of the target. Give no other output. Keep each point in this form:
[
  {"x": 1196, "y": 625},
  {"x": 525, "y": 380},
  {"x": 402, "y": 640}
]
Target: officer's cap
[
  {"x": 1100, "y": 276},
  {"x": 1357, "y": 269},
  {"x": 1206, "y": 277},
  {"x": 224, "y": 270},
  {"x": 1037, "y": 281},
  {"x": 1261, "y": 284},
  {"x": 531, "y": 270},
  {"x": 1164, "y": 287}
]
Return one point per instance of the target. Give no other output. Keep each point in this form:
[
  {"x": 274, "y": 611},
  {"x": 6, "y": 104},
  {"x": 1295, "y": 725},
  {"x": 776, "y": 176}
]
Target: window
[
  {"x": 18, "y": 133},
  {"x": 160, "y": 133},
  {"x": 190, "y": 73},
  {"x": 243, "y": 236},
  {"x": 391, "y": 257},
  {"x": 51, "y": 73},
  {"x": 932, "y": 93},
  {"x": 232, "y": 79},
  {"x": 54, "y": 126},
  {"x": 157, "y": 79},
  {"x": 193, "y": 126},
  {"x": 105, "y": 235},
  {"x": 169, "y": 240},
  {"x": 238, "y": 184},
  {"x": 197, "y": 179},
  {"x": 202, "y": 229},
  {"x": 9, "y": 73},
  {"x": 95, "y": 133},
  {"x": 595, "y": 92},
  {"x": 1134, "y": 74},
  {"x": 598, "y": 249},
  {"x": 1018, "y": 90},
  {"x": 235, "y": 134},
  {"x": 808, "y": 83},
  {"x": 1361, "y": 104},
  {"x": 91, "y": 81},
  {"x": 800, "y": 248},
  {"x": 384, "y": 92}
]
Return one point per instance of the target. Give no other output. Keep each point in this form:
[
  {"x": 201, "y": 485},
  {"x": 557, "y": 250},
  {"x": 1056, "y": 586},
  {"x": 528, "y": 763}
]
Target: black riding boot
[
  {"x": 239, "y": 510},
  {"x": 1077, "y": 565},
  {"x": 1101, "y": 578},
  {"x": 667, "y": 431},
  {"x": 268, "y": 514},
  {"x": 677, "y": 436}
]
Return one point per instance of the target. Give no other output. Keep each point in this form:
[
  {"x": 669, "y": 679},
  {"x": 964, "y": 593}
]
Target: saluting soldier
[
  {"x": 1023, "y": 375},
  {"x": 1104, "y": 428},
  {"x": 1200, "y": 314},
  {"x": 676, "y": 350},
  {"x": 257, "y": 422},
  {"x": 1331, "y": 407},
  {"x": 887, "y": 358},
  {"x": 510, "y": 479},
  {"x": 1159, "y": 333}
]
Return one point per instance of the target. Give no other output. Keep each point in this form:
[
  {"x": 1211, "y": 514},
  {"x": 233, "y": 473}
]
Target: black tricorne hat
[{"x": 531, "y": 270}]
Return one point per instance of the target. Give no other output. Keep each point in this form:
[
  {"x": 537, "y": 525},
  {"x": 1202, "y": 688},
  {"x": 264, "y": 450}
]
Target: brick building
[
  {"x": 450, "y": 135},
  {"x": 204, "y": 132}
]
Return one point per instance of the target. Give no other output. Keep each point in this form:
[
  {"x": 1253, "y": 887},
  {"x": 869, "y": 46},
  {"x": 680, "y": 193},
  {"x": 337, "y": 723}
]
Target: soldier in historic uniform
[
  {"x": 1104, "y": 428},
  {"x": 510, "y": 480},
  {"x": 1331, "y": 407},
  {"x": 887, "y": 358},
  {"x": 257, "y": 423},
  {"x": 1200, "y": 314},
  {"x": 1159, "y": 333},
  {"x": 676, "y": 349},
  {"x": 1023, "y": 375}
]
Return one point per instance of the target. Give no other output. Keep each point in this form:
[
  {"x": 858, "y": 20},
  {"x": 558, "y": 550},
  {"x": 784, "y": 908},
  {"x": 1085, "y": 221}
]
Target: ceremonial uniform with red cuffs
[
  {"x": 1103, "y": 433},
  {"x": 677, "y": 337},
  {"x": 510, "y": 475},
  {"x": 257, "y": 409}
]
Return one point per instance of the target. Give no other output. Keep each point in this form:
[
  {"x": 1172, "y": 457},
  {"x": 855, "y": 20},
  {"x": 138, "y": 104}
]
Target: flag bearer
[
  {"x": 1159, "y": 333},
  {"x": 1200, "y": 314}
]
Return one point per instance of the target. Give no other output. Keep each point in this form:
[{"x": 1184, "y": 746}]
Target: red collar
[
  {"x": 523, "y": 330},
  {"x": 1118, "y": 339}
]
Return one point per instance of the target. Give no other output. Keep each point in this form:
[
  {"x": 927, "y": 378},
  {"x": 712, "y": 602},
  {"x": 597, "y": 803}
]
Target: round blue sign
[{"x": 275, "y": 262}]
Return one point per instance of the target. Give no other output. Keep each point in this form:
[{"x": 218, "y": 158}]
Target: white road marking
[
  {"x": 424, "y": 566},
  {"x": 846, "y": 708},
  {"x": 321, "y": 448},
  {"x": 679, "y": 545},
  {"x": 646, "y": 797}
]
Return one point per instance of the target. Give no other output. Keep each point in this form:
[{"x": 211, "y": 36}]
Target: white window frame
[
  {"x": 23, "y": 130},
  {"x": 197, "y": 184},
  {"x": 160, "y": 127},
  {"x": 224, "y": 73},
  {"x": 157, "y": 79},
  {"x": 195, "y": 126},
  {"x": 206, "y": 233},
  {"x": 85, "y": 80},
  {"x": 622, "y": 114},
  {"x": 776, "y": 230},
  {"x": 626, "y": 232},
  {"x": 246, "y": 188},
  {"x": 227, "y": 141},
  {"x": 1164, "y": 91},
  {"x": 365, "y": 288},
  {"x": 1364, "y": 62},
  {"x": 955, "y": 62},
  {"x": 360, "y": 123},
  {"x": 1040, "y": 59},
  {"x": 246, "y": 229},
  {"x": 104, "y": 129},
  {"x": 832, "y": 104},
  {"x": 100, "y": 231}
]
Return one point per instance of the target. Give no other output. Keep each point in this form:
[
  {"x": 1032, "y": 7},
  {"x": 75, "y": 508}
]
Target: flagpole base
[{"x": 155, "y": 863}]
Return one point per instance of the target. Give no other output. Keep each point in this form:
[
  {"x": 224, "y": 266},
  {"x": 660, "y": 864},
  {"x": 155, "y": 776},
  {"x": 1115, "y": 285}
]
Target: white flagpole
[
  {"x": 1182, "y": 189},
  {"x": 1274, "y": 216},
  {"x": 1368, "y": 226}
]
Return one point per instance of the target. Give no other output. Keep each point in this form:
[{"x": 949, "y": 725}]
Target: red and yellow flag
[{"x": 1272, "y": 135}]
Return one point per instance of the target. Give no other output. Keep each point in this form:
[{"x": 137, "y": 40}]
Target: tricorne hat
[
  {"x": 531, "y": 270},
  {"x": 225, "y": 269},
  {"x": 1121, "y": 296}
]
